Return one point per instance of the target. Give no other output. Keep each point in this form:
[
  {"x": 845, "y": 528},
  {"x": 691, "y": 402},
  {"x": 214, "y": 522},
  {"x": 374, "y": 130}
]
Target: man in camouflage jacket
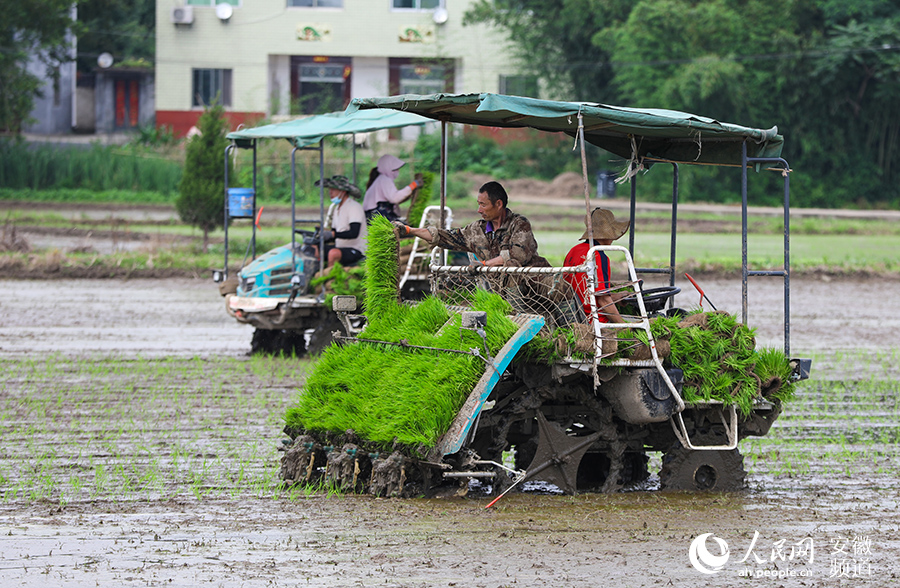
[{"x": 500, "y": 238}]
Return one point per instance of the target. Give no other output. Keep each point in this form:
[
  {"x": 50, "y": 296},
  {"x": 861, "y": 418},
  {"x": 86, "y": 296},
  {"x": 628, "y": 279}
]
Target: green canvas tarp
[
  {"x": 312, "y": 129},
  {"x": 633, "y": 133}
]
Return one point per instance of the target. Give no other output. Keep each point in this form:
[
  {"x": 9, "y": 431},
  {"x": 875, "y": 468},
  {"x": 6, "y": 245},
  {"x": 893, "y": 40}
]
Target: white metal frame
[{"x": 589, "y": 267}]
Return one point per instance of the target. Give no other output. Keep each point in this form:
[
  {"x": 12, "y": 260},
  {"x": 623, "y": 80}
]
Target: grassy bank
[{"x": 118, "y": 234}]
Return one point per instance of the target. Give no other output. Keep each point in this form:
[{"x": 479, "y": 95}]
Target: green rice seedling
[
  {"x": 342, "y": 281},
  {"x": 774, "y": 370},
  {"x": 417, "y": 208},
  {"x": 381, "y": 268}
]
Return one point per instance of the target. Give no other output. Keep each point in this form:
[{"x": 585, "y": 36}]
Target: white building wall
[
  {"x": 279, "y": 84},
  {"x": 370, "y": 77},
  {"x": 257, "y": 41}
]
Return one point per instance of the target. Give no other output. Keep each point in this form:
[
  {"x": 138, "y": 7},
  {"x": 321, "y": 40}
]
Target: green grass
[
  {"x": 841, "y": 424},
  {"x": 40, "y": 167},
  {"x": 845, "y": 252},
  {"x": 822, "y": 244}
]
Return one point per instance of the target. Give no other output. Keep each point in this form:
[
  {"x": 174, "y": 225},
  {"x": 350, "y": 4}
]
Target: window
[
  {"x": 319, "y": 84},
  {"x": 416, "y": 4},
  {"x": 213, "y": 2},
  {"x": 211, "y": 84},
  {"x": 430, "y": 76},
  {"x": 316, "y": 3},
  {"x": 519, "y": 86},
  {"x": 421, "y": 79}
]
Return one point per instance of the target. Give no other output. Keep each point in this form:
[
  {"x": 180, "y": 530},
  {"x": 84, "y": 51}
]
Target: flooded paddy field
[{"x": 139, "y": 448}]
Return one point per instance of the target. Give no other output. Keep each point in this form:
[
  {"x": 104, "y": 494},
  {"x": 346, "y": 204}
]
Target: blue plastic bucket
[{"x": 240, "y": 202}]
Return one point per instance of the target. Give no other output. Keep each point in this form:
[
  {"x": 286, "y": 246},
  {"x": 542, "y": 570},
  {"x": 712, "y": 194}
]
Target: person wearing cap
[
  {"x": 500, "y": 238},
  {"x": 382, "y": 196},
  {"x": 348, "y": 225},
  {"x": 606, "y": 229}
]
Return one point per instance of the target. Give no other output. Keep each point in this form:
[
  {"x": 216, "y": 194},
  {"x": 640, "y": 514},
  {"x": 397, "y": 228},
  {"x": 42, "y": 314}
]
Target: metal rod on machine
[
  {"x": 353, "y": 138},
  {"x": 633, "y": 207},
  {"x": 587, "y": 196},
  {"x": 787, "y": 261},
  {"x": 321, "y": 204},
  {"x": 786, "y": 268}
]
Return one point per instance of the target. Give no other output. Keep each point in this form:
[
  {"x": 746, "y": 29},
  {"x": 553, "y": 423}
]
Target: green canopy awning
[
  {"x": 312, "y": 129},
  {"x": 633, "y": 133}
]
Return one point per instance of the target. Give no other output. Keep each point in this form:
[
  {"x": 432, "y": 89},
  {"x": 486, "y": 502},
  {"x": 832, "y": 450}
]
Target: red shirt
[{"x": 575, "y": 257}]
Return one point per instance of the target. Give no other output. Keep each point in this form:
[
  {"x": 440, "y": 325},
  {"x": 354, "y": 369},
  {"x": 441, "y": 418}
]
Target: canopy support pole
[
  {"x": 673, "y": 229},
  {"x": 632, "y": 211},
  {"x": 228, "y": 150},
  {"x": 785, "y": 272},
  {"x": 294, "y": 210},
  {"x": 322, "y": 205},
  {"x": 353, "y": 138},
  {"x": 443, "y": 174},
  {"x": 253, "y": 220},
  {"x": 584, "y": 177}
]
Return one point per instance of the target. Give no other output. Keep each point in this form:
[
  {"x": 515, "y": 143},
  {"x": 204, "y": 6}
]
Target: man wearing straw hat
[
  {"x": 348, "y": 223},
  {"x": 606, "y": 229}
]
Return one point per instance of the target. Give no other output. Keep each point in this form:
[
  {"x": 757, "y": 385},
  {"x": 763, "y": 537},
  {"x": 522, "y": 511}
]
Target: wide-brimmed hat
[
  {"x": 605, "y": 225},
  {"x": 342, "y": 183}
]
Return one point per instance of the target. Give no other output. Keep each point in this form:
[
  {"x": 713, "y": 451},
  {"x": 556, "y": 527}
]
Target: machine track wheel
[
  {"x": 558, "y": 455},
  {"x": 635, "y": 468},
  {"x": 703, "y": 471},
  {"x": 273, "y": 341},
  {"x": 321, "y": 335}
]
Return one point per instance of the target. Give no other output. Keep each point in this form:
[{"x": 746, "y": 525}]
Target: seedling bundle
[{"x": 719, "y": 359}]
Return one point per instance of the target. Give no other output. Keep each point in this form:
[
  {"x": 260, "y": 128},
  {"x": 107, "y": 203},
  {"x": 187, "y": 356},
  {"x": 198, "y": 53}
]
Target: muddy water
[
  {"x": 135, "y": 317},
  {"x": 187, "y": 317},
  {"x": 826, "y": 476}
]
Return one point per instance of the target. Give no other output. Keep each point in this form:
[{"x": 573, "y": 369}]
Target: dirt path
[{"x": 826, "y": 476}]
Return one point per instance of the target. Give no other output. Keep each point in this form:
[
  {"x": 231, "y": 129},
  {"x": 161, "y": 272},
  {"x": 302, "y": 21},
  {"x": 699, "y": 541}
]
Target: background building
[{"x": 276, "y": 58}]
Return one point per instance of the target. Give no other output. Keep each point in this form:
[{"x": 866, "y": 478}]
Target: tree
[
  {"x": 123, "y": 28},
  {"x": 553, "y": 41},
  {"x": 202, "y": 188},
  {"x": 36, "y": 28},
  {"x": 827, "y": 72}
]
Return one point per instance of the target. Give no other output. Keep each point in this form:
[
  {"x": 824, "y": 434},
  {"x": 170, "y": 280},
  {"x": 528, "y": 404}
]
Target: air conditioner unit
[{"x": 183, "y": 15}]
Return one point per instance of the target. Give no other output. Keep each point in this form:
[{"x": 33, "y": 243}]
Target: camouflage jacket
[{"x": 513, "y": 241}]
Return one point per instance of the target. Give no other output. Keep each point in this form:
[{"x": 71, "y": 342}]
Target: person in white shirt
[{"x": 348, "y": 225}]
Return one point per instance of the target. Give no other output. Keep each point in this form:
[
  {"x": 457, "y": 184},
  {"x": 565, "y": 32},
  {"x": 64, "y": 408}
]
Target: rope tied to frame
[{"x": 635, "y": 164}]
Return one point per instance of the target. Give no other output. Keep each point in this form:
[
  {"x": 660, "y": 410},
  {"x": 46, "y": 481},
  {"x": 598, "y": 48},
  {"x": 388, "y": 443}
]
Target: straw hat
[
  {"x": 341, "y": 183},
  {"x": 605, "y": 225}
]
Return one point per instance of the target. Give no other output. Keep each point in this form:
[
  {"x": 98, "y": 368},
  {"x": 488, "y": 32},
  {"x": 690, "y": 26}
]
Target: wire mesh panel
[{"x": 579, "y": 324}]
